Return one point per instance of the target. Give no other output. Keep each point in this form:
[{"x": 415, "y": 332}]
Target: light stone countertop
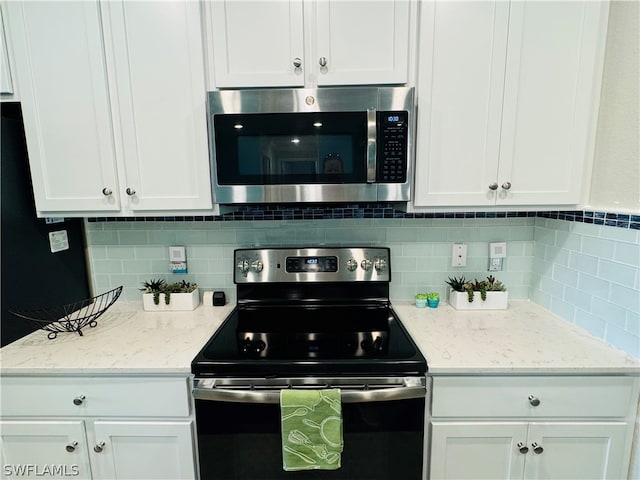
[
  {"x": 526, "y": 338},
  {"x": 126, "y": 340}
]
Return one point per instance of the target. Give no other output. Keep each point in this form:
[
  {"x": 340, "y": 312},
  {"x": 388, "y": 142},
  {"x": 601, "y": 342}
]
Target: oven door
[{"x": 238, "y": 423}]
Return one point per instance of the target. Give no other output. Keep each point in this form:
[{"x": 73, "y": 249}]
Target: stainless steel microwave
[{"x": 348, "y": 144}]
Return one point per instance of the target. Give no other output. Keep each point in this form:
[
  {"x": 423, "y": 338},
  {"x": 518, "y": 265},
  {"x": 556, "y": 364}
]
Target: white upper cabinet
[
  {"x": 361, "y": 42},
  {"x": 156, "y": 78},
  {"x": 114, "y": 105},
  {"x": 508, "y": 100},
  {"x": 62, "y": 79},
  {"x": 257, "y": 43},
  {"x": 6, "y": 85},
  {"x": 308, "y": 43}
]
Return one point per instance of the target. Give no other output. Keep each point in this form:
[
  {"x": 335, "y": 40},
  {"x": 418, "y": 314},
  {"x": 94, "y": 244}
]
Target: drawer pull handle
[
  {"x": 537, "y": 449},
  {"x": 79, "y": 400},
  {"x": 522, "y": 447},
  {"x": 71, "y": 447},
  {"x": 99, "y": 447},
  {"x": 534, "y": 401}
]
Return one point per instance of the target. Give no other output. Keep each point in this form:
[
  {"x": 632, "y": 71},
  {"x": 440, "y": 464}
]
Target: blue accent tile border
[
  {"x": 619, "y": 220},
  {"x": 377, "y": 210}
]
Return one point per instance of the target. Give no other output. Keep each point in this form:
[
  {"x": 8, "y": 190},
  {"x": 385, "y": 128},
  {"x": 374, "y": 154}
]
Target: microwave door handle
[{"x": 371, "y": 146}]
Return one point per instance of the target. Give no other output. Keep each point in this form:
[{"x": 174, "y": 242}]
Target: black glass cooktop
[{"x": 273, "y": 341}]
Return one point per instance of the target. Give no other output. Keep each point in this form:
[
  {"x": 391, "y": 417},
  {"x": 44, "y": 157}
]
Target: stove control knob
[
  {"x": 352, "y": 264},
  {"x": 252, "y": 346},
  {"x": 257, "y": 266},
  {"x": 243, "y": 266},
  {"x": 366, "y": 264},
  {"x": 372, "y": 346},
  {"x": 380, "y": 264}
]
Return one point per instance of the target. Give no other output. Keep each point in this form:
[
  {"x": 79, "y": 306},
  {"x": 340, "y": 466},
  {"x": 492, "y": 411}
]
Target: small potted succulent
[
  {"x": 162, "y": 296},
  {"x": 421, "y": 300},
  {"x": 488, "y": 294},
  {"x": 433, "y": 299}
]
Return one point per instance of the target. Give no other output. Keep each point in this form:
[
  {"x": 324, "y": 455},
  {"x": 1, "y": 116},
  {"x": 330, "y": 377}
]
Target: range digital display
[{"x": 312, "y": 264}]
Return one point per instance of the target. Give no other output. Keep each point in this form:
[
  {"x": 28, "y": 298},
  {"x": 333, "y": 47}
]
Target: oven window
[
  {"x": 382, "y": 441},
  {"x": 291, "y": 148}
]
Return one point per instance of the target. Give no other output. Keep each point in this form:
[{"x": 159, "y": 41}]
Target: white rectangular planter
[
  {"x": 494, "y": 301},
  {"x": 178, "y": 301}
]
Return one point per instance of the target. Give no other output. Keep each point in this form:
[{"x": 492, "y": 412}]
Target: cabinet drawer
[
  {"x": 95, "y": 396},
  {"x": 518, "y": 396}
]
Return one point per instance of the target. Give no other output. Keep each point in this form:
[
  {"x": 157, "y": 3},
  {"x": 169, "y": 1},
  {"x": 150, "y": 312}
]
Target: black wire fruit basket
[{"x": 72, "y": 317}]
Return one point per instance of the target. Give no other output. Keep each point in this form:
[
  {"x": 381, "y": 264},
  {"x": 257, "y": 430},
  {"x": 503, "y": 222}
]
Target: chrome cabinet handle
[
  {"x": 99, "y": 447},
  {"x": 537, "y": 449},
  {"x": 322, "y": 61},
  {"x": 297, "y": 62},
  {"x": 130, "y": 191},
  {"x": 71, "y": 447},
  {"x": 522, "y": 448},
  {"x": 106, "y": 191},
  {"x": 493, "y": 186},
  {"x": 506, "y": 185},
  {"x": 534, "y": 401},
  {"x": 79, "y": 400}
]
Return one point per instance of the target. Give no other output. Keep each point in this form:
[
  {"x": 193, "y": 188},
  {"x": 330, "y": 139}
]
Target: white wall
[{"x": 615, "y": 184}]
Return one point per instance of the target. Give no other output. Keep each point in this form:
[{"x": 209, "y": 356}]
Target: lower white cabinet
[
  {"x": 532, "y": 427},
  {"x": 106, "y": 438}
]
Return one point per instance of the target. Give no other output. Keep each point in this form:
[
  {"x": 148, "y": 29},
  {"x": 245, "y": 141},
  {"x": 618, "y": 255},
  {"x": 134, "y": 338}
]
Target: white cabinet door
[
  {"x": 361, "y": 42},
  {"x": 508, "y": 98},
  {"x": 461, "y": 77},
  {"x": 477, "y": 450},
  {"x": 44, "y": 449},
  {"x": 294, "y": 43},
  {"x": 156, "y": 67},
  {"x": 551, "y": 98},
  {"x": 257, "y": 43},
  {"x": 60, "y": 70},
  {"x": 578, "y": 451},
  {"x": 138, "y": 450},
  {"x": 6, "y": 85}
]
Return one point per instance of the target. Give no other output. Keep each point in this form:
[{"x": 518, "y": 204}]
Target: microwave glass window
[{"x": 291, "y": 148}]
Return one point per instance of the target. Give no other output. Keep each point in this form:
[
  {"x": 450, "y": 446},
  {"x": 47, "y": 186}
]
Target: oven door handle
[{"x": 273, "y": 396}]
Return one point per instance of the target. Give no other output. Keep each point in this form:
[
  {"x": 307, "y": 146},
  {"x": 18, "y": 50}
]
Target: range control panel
[{"x": 340, "y": 264}]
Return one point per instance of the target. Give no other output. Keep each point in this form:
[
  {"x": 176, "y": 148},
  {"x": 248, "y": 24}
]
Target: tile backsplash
[
  {"x": 589, "y": 274},
  {"x": 128, "y": 253},
  {"x": 583, "y": 266}
]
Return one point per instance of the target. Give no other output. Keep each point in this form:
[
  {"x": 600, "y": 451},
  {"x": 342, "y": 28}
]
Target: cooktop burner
[{"x": 310, "y": 312}]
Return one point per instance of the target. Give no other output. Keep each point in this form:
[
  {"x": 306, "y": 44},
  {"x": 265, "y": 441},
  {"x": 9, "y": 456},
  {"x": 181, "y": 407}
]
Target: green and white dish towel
[{"x": 311, "y": 429}]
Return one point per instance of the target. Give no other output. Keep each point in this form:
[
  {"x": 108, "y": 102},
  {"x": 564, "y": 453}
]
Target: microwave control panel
[{"x": 393, "y": 129}]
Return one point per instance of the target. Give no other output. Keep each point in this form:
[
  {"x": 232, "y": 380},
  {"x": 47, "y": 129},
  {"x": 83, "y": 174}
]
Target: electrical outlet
[
  {"x": 497, "y": 254},
  {"x": 495, "y": 264},
  {"x": 459, "y": 255}
]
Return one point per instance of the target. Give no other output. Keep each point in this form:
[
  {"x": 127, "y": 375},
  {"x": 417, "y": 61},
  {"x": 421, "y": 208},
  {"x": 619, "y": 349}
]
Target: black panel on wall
[{"x": 32, "y": 276}]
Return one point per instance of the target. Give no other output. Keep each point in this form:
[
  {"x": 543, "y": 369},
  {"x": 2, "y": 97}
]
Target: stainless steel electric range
[{"x": 311, "y": 318}]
